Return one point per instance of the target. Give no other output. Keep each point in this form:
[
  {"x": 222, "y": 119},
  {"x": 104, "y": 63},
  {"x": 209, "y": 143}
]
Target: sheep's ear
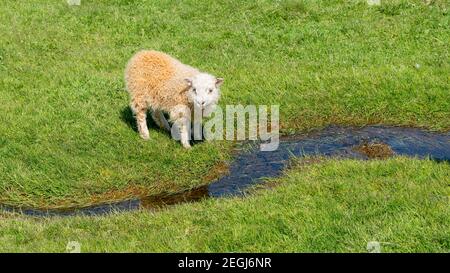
[
  {"x": 219, "y": 82},
  {"x": 188, "y": 81}
]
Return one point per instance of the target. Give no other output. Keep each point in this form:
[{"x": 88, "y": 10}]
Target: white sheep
[{"x": 161, "y": 83}]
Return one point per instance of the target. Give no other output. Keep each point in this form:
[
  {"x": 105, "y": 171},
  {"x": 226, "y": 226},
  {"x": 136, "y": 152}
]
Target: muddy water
[{"x": 251, "y": 165}]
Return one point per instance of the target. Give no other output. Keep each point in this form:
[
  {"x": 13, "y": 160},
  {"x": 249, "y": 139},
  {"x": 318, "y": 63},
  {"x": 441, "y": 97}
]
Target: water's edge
[{"x": 250, "y": 165}]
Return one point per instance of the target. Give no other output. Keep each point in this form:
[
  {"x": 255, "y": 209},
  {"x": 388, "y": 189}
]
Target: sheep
[{"x": 158, "y": 82}]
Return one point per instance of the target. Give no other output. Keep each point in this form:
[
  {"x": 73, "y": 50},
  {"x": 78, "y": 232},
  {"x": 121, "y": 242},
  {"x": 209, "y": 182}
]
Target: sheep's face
[{"x": 204, "y": 91}]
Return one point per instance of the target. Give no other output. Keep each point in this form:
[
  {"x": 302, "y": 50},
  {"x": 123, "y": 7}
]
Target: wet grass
[
  {"x": 329, "y": 206},
  {"x": 375, "y": 150}
]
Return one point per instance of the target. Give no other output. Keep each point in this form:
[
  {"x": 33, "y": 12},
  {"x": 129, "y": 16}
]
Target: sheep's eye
[
  {"x": 195, "y": 90},
  {"x": 210, "y": 90}
]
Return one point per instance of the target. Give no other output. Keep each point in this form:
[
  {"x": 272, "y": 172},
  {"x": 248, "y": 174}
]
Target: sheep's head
[{"x": 204, "y": 91}]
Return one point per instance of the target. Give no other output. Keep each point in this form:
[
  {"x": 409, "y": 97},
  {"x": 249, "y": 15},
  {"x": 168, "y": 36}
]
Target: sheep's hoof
[
  {"x": 186, "y": 145},
  {"x": 145, "y": 136}
]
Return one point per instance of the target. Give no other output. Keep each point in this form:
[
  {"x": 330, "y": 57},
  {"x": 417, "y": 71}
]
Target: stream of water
[{"x": 250, "y": 165}]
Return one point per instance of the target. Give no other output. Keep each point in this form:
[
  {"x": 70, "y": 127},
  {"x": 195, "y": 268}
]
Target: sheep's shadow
[{"x": 127, "y": 116}]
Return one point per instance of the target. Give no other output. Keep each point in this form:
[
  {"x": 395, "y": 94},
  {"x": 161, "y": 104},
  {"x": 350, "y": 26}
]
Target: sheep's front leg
[
  {"x": 181, "y": 117},
  {"x": 185, "y": 128},
  {"x": 141, "y": 120}
]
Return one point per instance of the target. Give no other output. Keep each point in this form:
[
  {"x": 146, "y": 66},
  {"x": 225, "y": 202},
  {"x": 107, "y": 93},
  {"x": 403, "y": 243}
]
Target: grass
[
  {"x": 68, "y": 138},
  {"x": 331, "y": 206}
]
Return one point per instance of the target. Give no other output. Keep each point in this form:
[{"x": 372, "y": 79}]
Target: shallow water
[{"x": 251, "y": 165}]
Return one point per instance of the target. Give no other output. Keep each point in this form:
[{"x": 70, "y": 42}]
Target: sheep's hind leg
[
  {"x": 141, "y": 120},
  {"x": 160, "y": 120}
]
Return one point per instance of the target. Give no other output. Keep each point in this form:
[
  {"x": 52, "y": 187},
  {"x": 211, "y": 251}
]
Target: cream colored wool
[{"x": 161, "y": 83}]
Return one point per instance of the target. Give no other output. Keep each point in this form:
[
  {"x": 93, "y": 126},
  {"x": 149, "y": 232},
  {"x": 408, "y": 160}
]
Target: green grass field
[
  {"x": 67, "y": 136},
  {"x": 333, "y": 206}
]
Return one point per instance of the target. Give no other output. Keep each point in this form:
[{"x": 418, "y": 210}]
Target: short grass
[
  {"x": 331, "y": 206},
  {"x": 68, "y": 138}
]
